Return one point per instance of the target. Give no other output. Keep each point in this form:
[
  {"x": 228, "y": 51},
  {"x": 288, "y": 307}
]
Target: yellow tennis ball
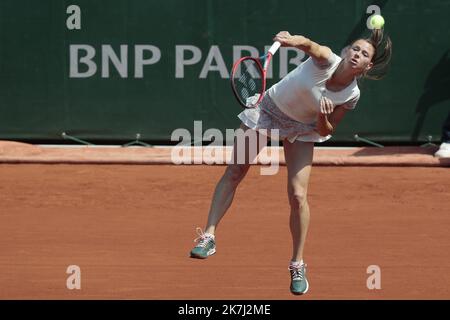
[{"x": 377, "y": 21}]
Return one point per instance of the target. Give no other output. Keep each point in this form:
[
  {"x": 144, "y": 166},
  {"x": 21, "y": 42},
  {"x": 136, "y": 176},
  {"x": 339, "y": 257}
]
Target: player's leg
[
  {"x": 298, "y": 157},
  {"x": 233, "y": 175},
  {"x": 226, "y": 189}
]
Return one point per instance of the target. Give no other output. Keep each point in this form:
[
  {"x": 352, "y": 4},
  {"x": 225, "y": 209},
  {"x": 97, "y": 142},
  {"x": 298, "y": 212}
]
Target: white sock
[
  {"x": 210, "y": 235},
  {"x": 296, "y": 263}
]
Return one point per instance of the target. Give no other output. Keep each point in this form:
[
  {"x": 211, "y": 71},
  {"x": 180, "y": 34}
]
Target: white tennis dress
[{"x": 292, "y": 105}]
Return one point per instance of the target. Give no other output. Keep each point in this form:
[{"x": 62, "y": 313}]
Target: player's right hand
[{"x": 284, "y": 37}]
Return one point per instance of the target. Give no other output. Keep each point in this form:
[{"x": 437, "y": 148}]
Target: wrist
[
  {"x": 300, "y": 41},
  {"x": 322, "y": 116}
]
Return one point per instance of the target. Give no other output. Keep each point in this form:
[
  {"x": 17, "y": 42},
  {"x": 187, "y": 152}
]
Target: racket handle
[{"x": 274, "y": 48}]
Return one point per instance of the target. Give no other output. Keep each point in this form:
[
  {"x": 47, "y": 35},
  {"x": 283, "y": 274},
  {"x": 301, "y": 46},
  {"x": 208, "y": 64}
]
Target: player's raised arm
[{"x": 316, "y": 51}]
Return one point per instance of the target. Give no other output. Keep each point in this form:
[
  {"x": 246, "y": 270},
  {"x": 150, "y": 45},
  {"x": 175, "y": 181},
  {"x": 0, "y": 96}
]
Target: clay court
[
  {"x": 95, "y": 96},
  {"x": 130, "y": 229}
]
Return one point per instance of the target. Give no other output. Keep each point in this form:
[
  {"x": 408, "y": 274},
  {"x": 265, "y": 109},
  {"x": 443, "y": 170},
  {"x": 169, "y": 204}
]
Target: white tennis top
[{"x": 298, "y": 93}]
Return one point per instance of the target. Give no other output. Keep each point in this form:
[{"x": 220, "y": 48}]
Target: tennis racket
[{"x": 248, "y": 77}]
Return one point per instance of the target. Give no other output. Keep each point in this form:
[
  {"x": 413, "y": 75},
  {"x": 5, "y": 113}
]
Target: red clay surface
[{"x": 130, "y": 229}]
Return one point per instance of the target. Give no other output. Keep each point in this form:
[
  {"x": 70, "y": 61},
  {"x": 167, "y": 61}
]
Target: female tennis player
[{"x": 305, "y": 106}]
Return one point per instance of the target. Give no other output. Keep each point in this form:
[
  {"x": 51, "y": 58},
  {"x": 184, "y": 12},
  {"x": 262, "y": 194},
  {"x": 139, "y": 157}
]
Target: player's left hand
[{"x": 326, "y": 106}]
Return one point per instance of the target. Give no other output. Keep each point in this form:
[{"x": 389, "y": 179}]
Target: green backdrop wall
[{"x": 159, "y": 65}]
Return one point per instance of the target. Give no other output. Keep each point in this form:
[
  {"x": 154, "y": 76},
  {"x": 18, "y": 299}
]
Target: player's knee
[
  {"x": 298, "y": 198},
  {"x": 236, "y": 172}
]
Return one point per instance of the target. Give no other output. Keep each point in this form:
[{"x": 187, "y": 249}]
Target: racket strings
[{"x": 250, "y": 80}]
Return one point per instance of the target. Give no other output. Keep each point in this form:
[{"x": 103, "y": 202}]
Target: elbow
[{"x": 325, "y": 131}]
